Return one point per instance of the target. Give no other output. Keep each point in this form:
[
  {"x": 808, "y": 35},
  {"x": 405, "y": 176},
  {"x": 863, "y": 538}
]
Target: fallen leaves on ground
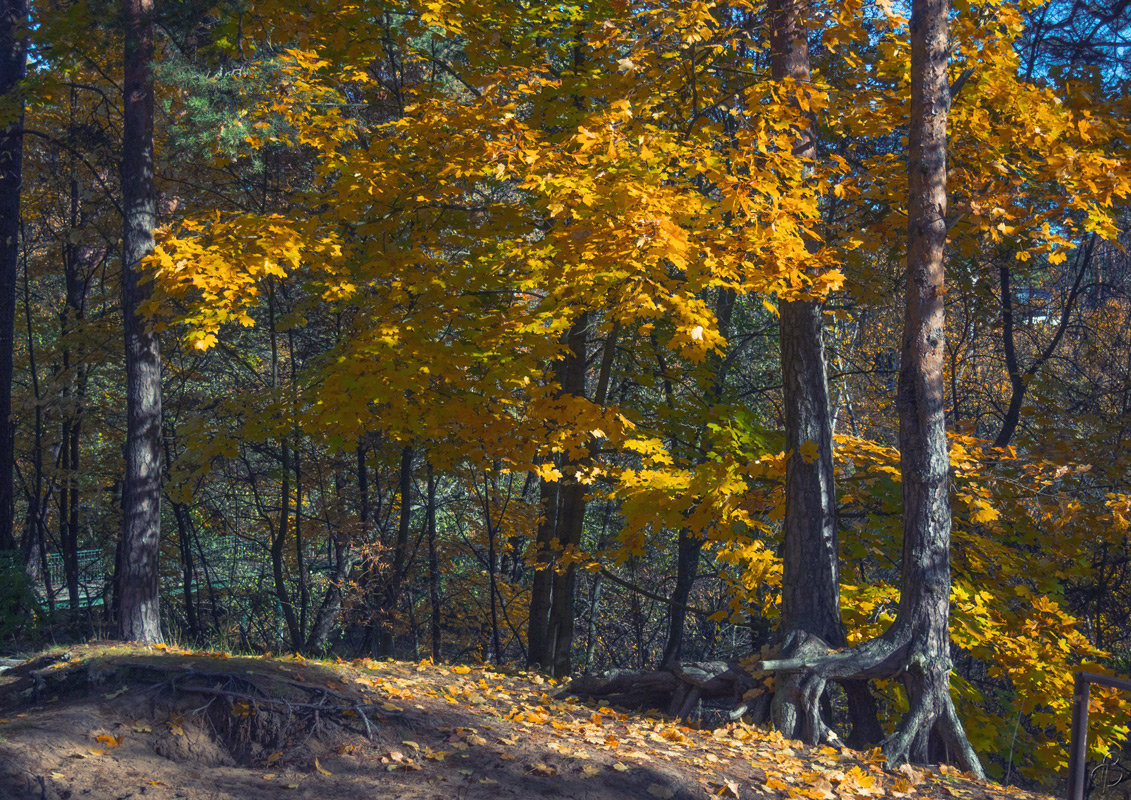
[{"x": 436, "y": 727}]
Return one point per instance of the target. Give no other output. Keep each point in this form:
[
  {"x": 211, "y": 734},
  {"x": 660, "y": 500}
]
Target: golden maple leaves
[{"x": 527, "y": 166}]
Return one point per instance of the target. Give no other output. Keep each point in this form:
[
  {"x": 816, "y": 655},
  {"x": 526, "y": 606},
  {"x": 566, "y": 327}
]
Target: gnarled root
[
  {"x": 676, "y": 690},
  {"x": 895, "y": 654},
  {"x": 796, "y": 707},
  {"x": 931, "y": 714}
]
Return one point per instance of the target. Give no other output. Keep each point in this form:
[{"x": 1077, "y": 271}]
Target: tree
[
  {"x": 138, "y": 570},
  {"x": 810, "y": 605},
  {"x": 13, "y": 60},
  {"x": 916, "y": 647}
]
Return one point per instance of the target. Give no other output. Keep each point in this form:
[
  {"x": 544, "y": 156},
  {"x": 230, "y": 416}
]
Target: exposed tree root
[
  {"x": 896, "y": 654},
  {"x": 677, "y": 690},
  {"x": 734, "y": 691},
  {"x": 252, "y": 712},
  {"x": 795, "y": 709}
]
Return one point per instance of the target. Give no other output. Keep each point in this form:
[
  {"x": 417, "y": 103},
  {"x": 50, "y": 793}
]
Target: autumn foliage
[{"x": 426, "y": 267}]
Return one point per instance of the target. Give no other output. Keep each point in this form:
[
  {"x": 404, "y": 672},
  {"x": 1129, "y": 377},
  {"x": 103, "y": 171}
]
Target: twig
[
  {"x": 365, "y": 719},
  {"x": 203, "y": 707}
]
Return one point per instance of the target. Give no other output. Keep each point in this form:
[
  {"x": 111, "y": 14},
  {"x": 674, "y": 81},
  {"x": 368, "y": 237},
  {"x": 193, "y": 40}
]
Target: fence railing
[{"x": 1078, "y": 748}]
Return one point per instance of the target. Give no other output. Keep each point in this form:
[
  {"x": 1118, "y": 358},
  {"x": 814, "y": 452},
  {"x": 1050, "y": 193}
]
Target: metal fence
[
  {"x": 91, "y": 579},
  {"x": 1078, "y": 749}
]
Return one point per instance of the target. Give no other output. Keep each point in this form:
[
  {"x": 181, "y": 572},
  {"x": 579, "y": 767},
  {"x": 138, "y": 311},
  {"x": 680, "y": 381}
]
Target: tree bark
[
  {"x": 34, "y": 545},
  {"x": 572, "y": 506},
  {"x": 278, "y": 543},
  {"x": 543, "y": 585},
  {"x": 810, "y": 582},
  {"x": 139, "y": 616},
  {"x": 492, "y": 566},
  {"x": 322, "y": 625},
  {"x": 78, "y": 261},
  {"x": 13, "y": 61}
]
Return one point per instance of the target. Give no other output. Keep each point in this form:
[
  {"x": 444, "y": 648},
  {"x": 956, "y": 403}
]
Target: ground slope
[{"x": 110, "y": 722}]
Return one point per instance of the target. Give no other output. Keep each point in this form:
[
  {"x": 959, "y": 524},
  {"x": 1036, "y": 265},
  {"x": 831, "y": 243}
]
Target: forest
[{"x": 757, "y": 358}]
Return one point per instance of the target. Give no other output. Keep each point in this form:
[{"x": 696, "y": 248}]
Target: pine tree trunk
[
  {"x": 924, "y": 606},
  {"x": 13, "y": 60},
  {"x": 138, "y": 611}
]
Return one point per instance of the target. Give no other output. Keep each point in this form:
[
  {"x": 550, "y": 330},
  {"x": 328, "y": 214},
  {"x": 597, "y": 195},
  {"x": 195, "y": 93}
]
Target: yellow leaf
[
  {"x": 320, "y": 768},
  {"x": 901, "y": 787}
]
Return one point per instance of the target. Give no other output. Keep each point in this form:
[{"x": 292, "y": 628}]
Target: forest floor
[{"x": 111, "y": 722}]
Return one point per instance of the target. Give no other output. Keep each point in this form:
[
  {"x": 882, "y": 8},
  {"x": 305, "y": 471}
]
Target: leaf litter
[{"x": 204, "y": 726}]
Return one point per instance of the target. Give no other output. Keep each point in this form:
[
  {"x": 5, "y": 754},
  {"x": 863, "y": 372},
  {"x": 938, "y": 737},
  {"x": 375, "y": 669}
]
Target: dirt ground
[{"x": 110, "y": 722}]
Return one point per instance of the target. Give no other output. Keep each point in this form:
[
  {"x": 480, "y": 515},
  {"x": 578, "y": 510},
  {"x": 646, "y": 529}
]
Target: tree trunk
[
  {"x": 77, "y": 259},
  {"x": 542, "y": 589},
  {"x": 433, "y": 565},
  {"x": 563, "y": 508},
  {"x": 13, "y": 61},
  {"x": 183, "y": 517},
  {"x": 342, "y": 562},
  {"x": 278, "y": 543},
  {"x": 300, "y": 549},
  {"x": 916, "y": 648},
  {"x": 688, "y": 544},
  {"x": 810, "y": 610},
  {"x": 392, "y": 589},
  {"x": 572, "y": 504},
  {"x": 687, "y": 569},
  {"x": 322, "y": 625},
  {"x": 565, "y": 582},
  {"x": 1018, "y": 380},
  {"x": 139, "y": 616},
  {"x": 492, "y": 567},
  {"x": 924, "y": 607},
  {"x": 34, "y": 546}
]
